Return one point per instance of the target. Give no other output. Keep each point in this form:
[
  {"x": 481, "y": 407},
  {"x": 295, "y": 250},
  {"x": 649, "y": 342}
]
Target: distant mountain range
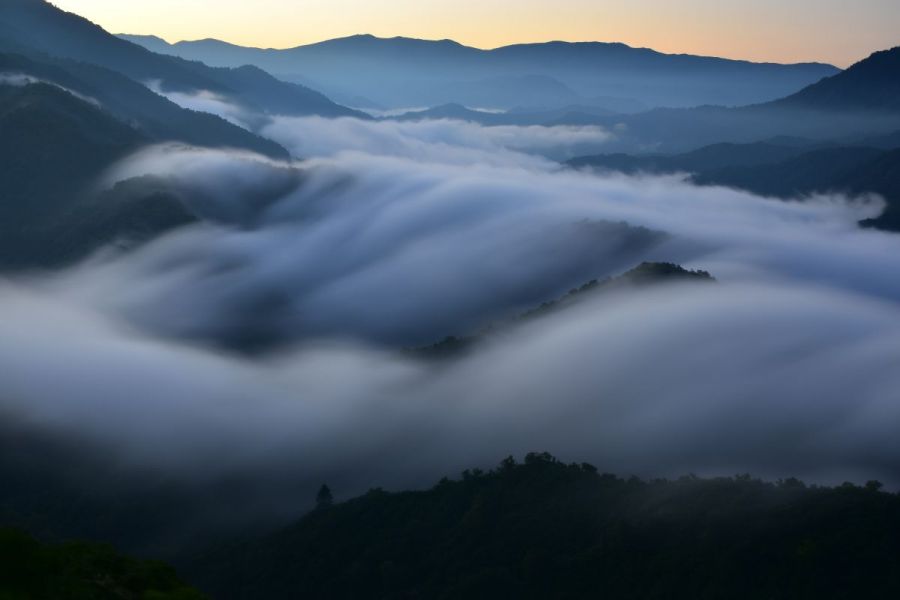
[
  {"x": 371, "y": 72},
  {"x": 566, "y": 115},
  {"x": 864, "y": 101},
  {"x": 841, "y": 134}
]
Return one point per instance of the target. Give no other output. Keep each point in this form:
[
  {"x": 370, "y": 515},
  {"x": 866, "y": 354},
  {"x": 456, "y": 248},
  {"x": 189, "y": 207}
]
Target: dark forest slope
[
  {"x": 53, "y": 146},
  {"x": 544, "y": 529}
]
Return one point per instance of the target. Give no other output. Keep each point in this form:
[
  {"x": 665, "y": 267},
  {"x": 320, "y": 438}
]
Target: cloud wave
[{"x": 786, "y": 367}]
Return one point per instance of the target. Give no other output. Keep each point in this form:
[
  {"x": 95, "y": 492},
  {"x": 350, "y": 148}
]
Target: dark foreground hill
[
  {"x": 544, "y": 529},
  {"x": 82, "y": 571}
]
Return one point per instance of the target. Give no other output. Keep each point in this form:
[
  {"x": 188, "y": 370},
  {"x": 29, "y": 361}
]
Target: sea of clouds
[{"x": 391, "y": 235}]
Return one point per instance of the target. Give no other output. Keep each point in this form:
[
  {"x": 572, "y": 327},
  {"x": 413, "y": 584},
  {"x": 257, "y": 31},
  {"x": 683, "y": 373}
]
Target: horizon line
[{"x": 489, "y": 49}]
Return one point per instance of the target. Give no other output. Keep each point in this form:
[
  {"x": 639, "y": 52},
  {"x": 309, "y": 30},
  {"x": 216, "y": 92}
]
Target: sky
[{"x": 839, "y": 32}]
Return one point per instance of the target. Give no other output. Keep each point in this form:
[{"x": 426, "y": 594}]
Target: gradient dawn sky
[{"x": 836, "y": 31}]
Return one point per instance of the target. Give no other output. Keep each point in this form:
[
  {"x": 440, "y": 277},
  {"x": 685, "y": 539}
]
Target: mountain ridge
[
  {"x": 452, "y": 42},
  {"x": 39, "y": 28},
  {"x": 870, "y": 84},
  {"x": 843, "y": 110},
  {"x": 406, "y": 69},
  {"x": 133, "y": 103}
]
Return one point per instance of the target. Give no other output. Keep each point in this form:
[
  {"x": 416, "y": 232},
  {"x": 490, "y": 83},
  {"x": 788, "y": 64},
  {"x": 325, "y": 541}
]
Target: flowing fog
[
  {"x": 393, "y": 235},
  {"x": 21, "y": 80}
]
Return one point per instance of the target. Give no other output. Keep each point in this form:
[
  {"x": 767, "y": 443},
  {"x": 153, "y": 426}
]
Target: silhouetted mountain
[
  {"x": 829, "y": 110},
  {"x": 870, "y": 85},
  {"x": 401, "y": 72},
  {"x": 675, "y": 131},
  {"x": 716, "y": 156},
  {"x": 818, "y": 170},
  {"x": 644, "y": 274},
  {"x": 544, "y": 529},
  {"x": 787, "y": 123},
  {"x": 648, "y": 273},
  {"x": 80, "y": 570},
  {"x": 844, "y": 170},
  {"x": 38, "y": 26},
  {"x": 779, "y": 171},
  {"x": 150, "y": 42},
  {"x": 881, "y": 176}
]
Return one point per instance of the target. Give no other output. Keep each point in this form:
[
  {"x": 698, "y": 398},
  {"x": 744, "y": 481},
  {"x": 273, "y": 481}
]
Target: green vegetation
[
  {"x": 81, "y": 571},
  {"x": 544, "y": 529}
]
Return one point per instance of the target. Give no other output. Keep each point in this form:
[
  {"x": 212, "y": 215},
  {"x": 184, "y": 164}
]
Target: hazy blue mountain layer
[{"x": 404, "y": 72}]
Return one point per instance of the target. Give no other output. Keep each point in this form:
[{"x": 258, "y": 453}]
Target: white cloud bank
[
  {"x": 442, "y": 141},
  {"x": 398, "y": 235}
]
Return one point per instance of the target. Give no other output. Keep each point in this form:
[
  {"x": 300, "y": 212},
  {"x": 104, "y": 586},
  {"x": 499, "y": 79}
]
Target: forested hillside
[{"x": 545, "y": 529}]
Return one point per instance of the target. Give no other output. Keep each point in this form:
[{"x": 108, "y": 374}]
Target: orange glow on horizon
[{"x": 762, "y": 30}]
